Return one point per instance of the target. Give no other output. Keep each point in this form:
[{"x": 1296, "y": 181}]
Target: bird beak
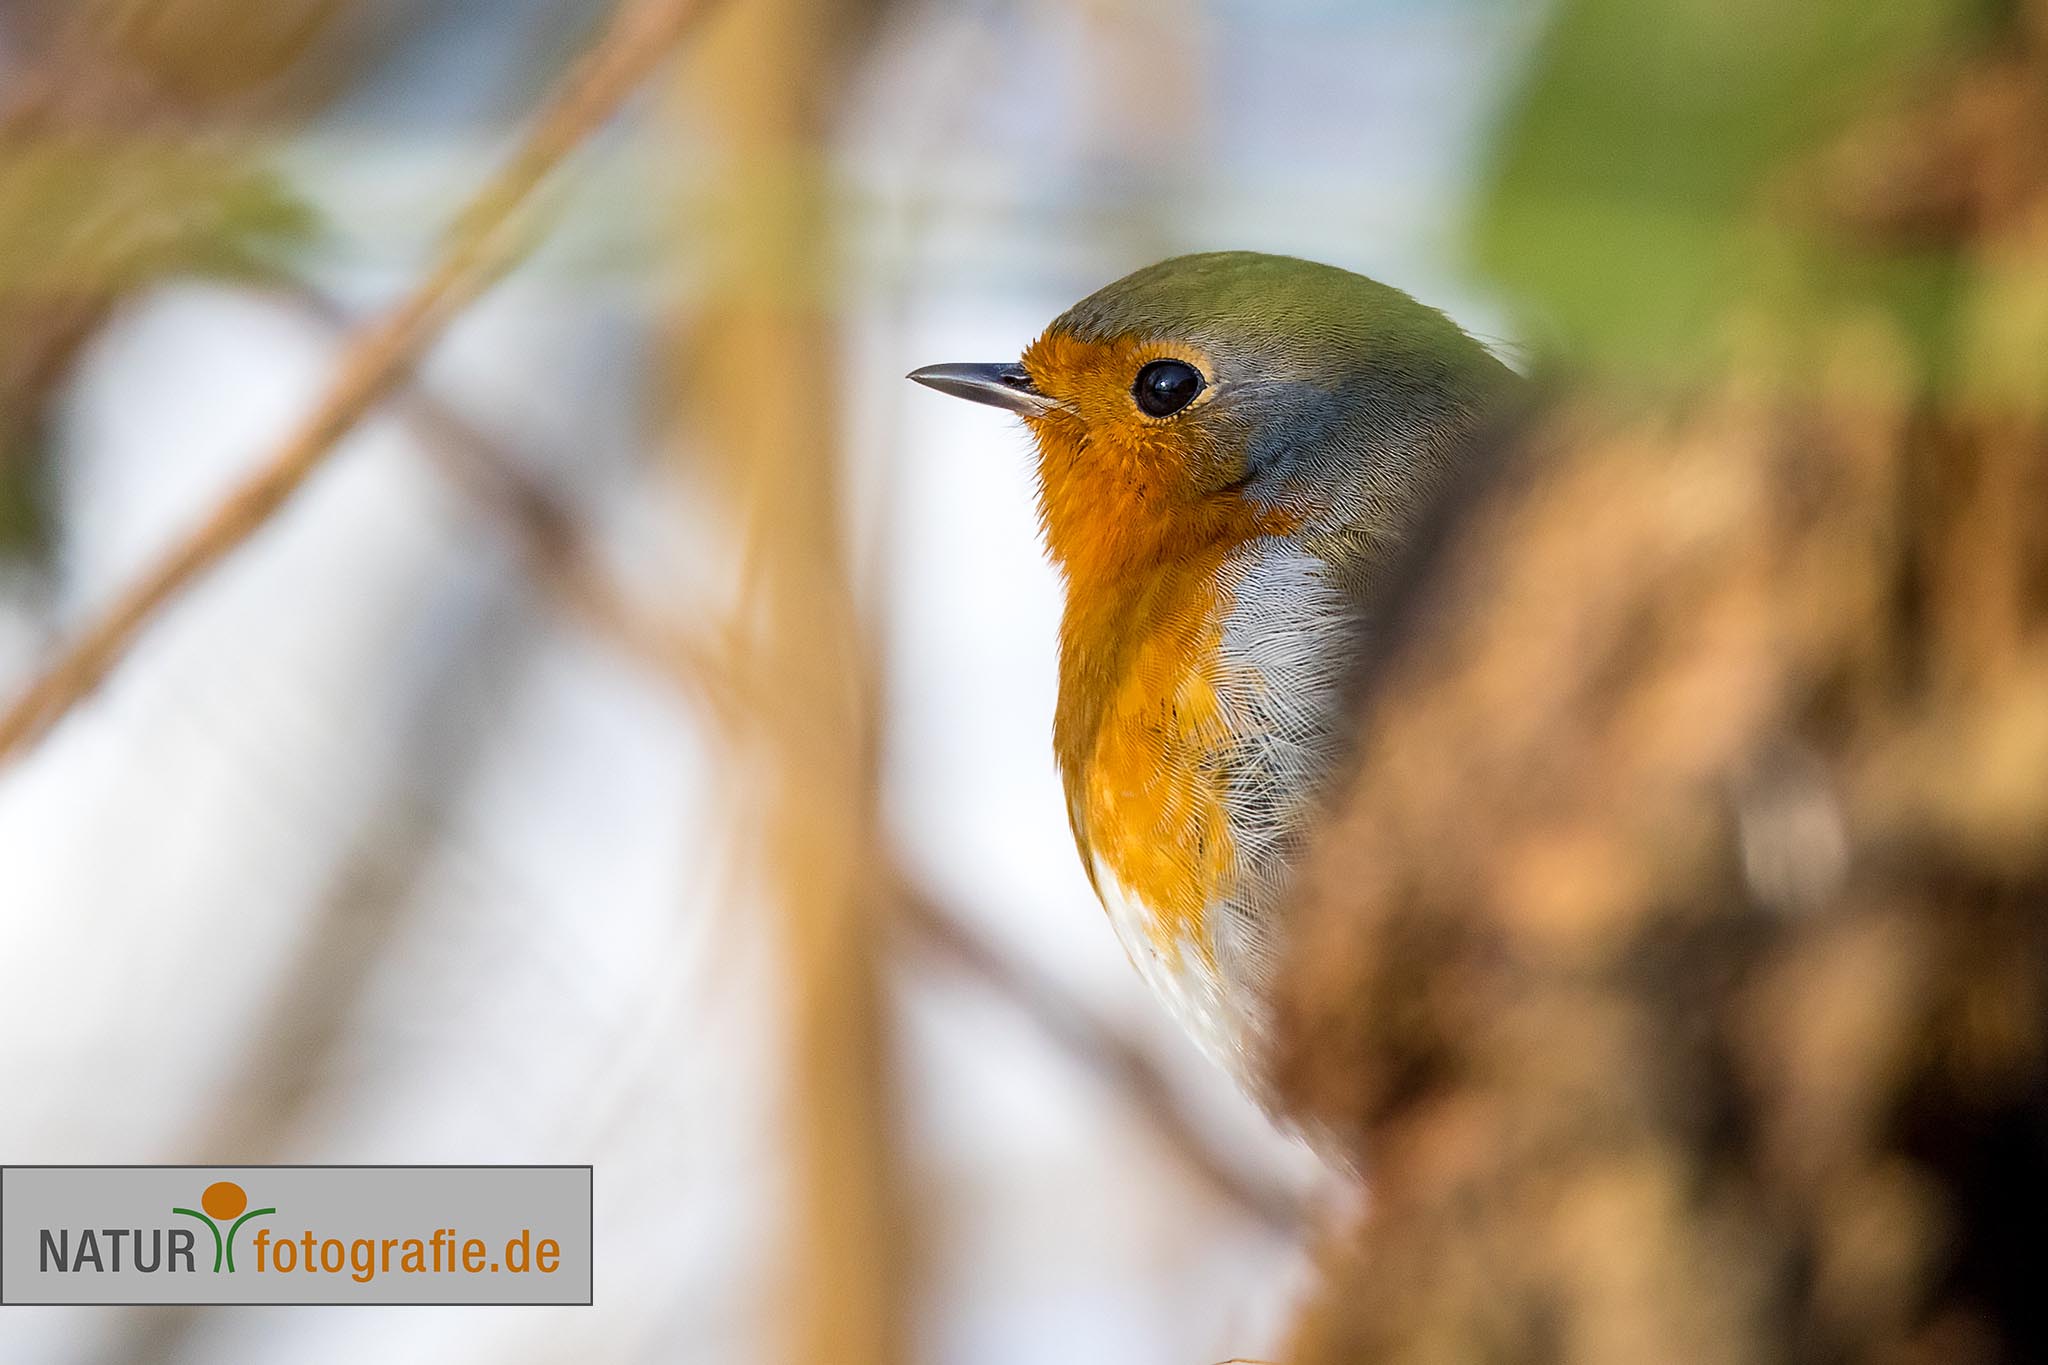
[{"x": 999, "y": 385}]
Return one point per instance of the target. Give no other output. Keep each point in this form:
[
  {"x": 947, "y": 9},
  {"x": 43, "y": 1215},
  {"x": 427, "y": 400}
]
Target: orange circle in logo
[{"x": 224, "y": 1199}]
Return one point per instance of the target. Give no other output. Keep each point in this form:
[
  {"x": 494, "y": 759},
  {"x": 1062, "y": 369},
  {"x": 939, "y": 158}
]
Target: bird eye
[{"x": 1166, "y": 386}]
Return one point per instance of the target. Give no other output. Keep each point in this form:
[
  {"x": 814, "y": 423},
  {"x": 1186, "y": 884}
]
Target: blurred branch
[
  {"x": 806, "y": 776},
  {"x": 488, "y": 238},
  {"x": 557, "y": 551},
  {"x": 1114, "y": 1058}
]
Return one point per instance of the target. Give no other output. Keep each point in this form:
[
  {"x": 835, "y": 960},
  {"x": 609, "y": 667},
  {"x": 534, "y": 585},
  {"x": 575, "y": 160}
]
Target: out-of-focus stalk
[{"x": 759, "y": 388}]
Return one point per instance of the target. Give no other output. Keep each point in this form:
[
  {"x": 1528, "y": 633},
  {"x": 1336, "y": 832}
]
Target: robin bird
[{"x": 1232, "y": 450}]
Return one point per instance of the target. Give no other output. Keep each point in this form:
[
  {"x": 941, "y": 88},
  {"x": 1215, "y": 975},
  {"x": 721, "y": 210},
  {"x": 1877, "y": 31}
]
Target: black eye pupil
[{"x": 1166, "y": 386}]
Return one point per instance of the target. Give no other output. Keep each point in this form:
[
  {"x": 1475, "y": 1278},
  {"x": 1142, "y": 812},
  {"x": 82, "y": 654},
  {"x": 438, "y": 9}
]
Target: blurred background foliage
[{"x": 1666, "y": 163}]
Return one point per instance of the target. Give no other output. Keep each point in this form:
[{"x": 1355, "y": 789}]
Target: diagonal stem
[{"x": 489, "y": 237}]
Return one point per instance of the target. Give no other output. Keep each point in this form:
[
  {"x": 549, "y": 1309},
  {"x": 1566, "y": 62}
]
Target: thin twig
[
  {"x": 1128, "y": 1069},
  {"x": 701, "y": 664},
  {"x": 490, "y": 236}
]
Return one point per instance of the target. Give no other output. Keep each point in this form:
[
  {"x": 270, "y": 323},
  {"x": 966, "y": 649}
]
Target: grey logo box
[{"x": 356, "y": 1234}]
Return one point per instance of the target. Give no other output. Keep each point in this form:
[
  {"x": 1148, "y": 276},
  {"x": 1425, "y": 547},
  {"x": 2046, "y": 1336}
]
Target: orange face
[
  {"x": 1141, "y": 513},
  {"x": 1118, "y": 486}
]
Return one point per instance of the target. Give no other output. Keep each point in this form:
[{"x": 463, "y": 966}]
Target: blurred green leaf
[
  {"x": 22, "y": 529},
  {"x": 1626, "y": 202},
  {"x": 85, "y": 220},
  {"x": 90, "y": 217}
]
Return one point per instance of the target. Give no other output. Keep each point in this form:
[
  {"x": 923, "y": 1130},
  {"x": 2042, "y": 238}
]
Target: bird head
[{"x": 1215, "y": 397}]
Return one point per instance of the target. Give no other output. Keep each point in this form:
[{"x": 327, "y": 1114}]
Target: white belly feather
[
  {"x": 1289, "y": 638},
  {"x": 1190, "y": 986}
]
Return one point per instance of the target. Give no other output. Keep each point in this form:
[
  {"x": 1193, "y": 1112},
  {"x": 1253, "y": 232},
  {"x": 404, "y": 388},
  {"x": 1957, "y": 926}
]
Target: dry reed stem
[
  {"x": 487, "y": 239},
  {"x": 809, "y": 777}
]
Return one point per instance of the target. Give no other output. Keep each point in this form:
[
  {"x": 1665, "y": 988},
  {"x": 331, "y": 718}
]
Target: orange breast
[
  {"x": 1141, "y": 517},
  {"x": 1142, "y": 736}
]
